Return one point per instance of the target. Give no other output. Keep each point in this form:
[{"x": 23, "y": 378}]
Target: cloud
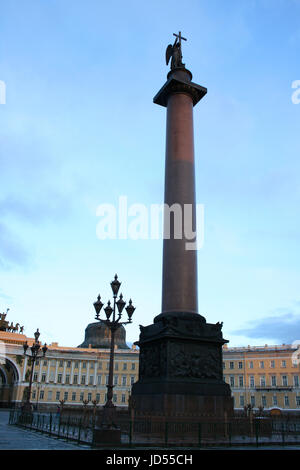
[{"x": 282, "y": 327}]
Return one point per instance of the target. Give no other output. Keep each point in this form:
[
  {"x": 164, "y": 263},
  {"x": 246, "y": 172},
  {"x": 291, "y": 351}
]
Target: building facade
[
  {"x": 65, "y": 373},
  {"x": 267, "y": 376},
  {"x": 263, "y": 376}
]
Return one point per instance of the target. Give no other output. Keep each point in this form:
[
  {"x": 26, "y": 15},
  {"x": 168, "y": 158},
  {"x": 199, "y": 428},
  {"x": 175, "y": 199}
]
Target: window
[
  {"x": 133, "y": 366},
  {"x": 123, "y": 399},
  {"x": 45, "y": 363},
  {"x": 115, "y": 398},
  {"x": 37, "y": 362},
  {"x": 91, "y": 365},
  {"x": 107, "y": 366},
  {"x": 286, "y": 401},
  {"x": 41, "y": 394},
  {"x": 251, "y": 365},
  {"x": 98, "y": 397},
  {"x": 51, "y": 378},
  {"x": 106, "y": 380},
  {"x": 43, "y": 377},
  {"x": 272, "y": 364},
  {"x": 73, "y": 396},
  {"x": 240, "y": 365},
  {"x": 116, "y": 378},
  {"x": 50, "y": 395},
  {"x": 231, "y": 381},
  {"x": 61, "y": 363},
  {"x": 81, "y": 396},
  {"x": 99, "y": 365},
  {"x": 224, "y": 365},
  {"x": 116, "y": 366},
  {"x": 57, "y": 395},
  {"x": 33, "y": 394},
  {"x": 67, "y": 379},
  {"x": 76, "y": 365},
  {"x": 251, "y": 381},
  {"x": 252, "y": 400},
  {"x": 273, "y": 381},
  {"x": 264, "y": 401},
  {"x": 262, "y": 381},
  {"x": 75, "y": 379},
  {"x": 275, "y": 402},
  {"x": 84, "y": 365},
  {"x": 59, "y": 378},
  {"x": 82, "y": 379},
  {"x": 125, "y": 366},
  {"x": 99, "y": 379},
  {"x": 91, "y": 379},
  {"x": 262, "y": 364},
  {"x": 69, "y": 364},
  {"x": 35, "y": 377},
  {"x": 231, "y": 365},
  {"x": 66, "y": 394},
  {"x": 124, "y": 380},
  {"x": 284, "y": 380},
  {"x": 132, "y": 379},
  {"x": 241, "y": 381},
  {"x": 89, "y": 397},
  {"x": 296, "y": 380},
  {"x": 283, "y": 363},
  {"x": 242, "y": 401},
  {"x": 298, "y": 401}
]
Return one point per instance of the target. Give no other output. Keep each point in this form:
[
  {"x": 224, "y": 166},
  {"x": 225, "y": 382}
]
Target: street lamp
[
  {"x": 113, "y": 322},
  {"x": 36, "y": 351}
]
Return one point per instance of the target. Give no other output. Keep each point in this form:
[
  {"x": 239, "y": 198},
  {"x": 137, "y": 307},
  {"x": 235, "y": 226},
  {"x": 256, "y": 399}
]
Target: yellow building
[
  {"x": 267, "y": 376},
  {"x": 66, "y": 373}
]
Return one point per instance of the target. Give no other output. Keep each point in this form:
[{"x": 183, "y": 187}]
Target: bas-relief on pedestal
[{"x": 180, "y": 369}]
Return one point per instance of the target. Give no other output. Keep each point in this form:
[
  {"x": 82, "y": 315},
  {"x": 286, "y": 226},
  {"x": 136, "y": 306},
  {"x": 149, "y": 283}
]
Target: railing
[{"x": 152, "y": 432}]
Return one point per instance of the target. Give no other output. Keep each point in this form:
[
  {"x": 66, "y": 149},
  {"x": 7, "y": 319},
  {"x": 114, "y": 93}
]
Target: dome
[{"x": 97, "y": 335}]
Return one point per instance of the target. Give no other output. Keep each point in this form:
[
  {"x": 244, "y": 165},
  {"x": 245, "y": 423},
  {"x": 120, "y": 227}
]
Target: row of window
[
  {"x": 251, "y": 364},
  {"x": 75, "y": 396},
  {"x": 262, "y": 379},
  {"x": 101, "y": 379},
  {"x": 264, "y": 402},
  {"x": 117, "y": 365}
]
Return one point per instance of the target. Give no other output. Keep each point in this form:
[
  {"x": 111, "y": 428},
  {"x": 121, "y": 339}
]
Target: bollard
[
  {"x": 199, "y": 434},
  {"x": 282, "y": 433},
  {"x": 79, "y": 431},
  {"x": 256, "y": 431},
  {"x": 166, "y": 432},
  {"x": 130, "y": 432},
  {"x": 229, "y": 433}
]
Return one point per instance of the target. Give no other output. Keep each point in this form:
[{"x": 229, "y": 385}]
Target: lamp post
[
  {"x": 36, "y": 351},
  {"x": 113, "y": 322}
]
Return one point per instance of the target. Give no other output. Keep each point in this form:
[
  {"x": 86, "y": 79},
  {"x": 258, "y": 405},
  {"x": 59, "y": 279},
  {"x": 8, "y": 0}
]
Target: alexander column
[{"x": 180, "y": 369}]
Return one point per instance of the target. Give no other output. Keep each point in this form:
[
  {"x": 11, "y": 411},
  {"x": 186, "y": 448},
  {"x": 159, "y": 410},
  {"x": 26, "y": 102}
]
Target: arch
[{"x": 11, "y": 363}]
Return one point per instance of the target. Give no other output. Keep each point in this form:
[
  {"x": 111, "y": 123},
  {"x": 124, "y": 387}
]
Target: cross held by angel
[{"x": 174, "y": 52}]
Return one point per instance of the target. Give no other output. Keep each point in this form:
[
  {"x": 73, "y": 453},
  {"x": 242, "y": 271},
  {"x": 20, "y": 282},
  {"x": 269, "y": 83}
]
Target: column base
[{"x": 180, "y": 368}]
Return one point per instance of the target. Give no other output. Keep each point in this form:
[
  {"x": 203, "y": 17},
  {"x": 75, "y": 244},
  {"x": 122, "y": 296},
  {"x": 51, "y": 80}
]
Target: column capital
[{"x": 179, "y": 81}]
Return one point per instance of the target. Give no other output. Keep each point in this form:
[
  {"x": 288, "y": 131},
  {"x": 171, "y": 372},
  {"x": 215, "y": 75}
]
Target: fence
[{"x": 154, "y": 431}]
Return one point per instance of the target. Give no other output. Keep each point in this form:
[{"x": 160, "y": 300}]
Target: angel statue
[{"x": 175, "y": 52}]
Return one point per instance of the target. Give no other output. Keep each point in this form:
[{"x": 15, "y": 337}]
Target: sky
[{"x": 79, "y": 129}]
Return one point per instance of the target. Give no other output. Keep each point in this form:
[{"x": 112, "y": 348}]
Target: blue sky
[{"x": 79, "y": 129}]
